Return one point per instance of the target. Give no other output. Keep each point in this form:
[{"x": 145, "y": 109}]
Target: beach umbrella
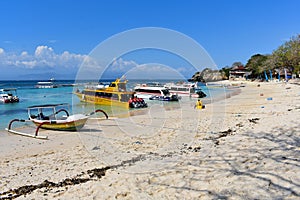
[
  {"x": 271, "y": 77},
  {"x": 266, "y": 76}
]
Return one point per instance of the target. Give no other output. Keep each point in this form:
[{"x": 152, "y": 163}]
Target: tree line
[{"x": 285, "y": 56}]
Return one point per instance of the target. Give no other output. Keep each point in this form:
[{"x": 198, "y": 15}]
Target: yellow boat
[
  {"x": 114, "y": 94},
  {"x": 53, "y": 117}
]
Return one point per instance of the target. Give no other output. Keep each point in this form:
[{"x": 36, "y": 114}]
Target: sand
[{"x": 244, "y": 147}]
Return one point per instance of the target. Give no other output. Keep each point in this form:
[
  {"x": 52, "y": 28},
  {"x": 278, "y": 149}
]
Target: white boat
[
  {"x": 52, "y": 117},
  {"x": 185, "y": 89},
  {"x": 45, "y": 84},
  {"x": 172, "y": 97},
  {"x": 148, "y": 90},
  {"x": 9, "y": 95}
]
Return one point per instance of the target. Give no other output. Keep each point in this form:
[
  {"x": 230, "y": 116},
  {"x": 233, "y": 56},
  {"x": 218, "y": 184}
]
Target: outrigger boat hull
[{"x": 74, "y": 124}]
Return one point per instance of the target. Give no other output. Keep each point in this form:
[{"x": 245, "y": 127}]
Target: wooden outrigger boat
[{"x": 52, "y": 117}]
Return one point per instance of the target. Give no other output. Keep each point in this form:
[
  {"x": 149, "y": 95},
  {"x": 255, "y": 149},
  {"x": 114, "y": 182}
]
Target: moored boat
[
  {"x": 185, "y": 89},
  {"x": 45, "y": 84},
  {"x": 165, "y": 98},
  {"x": 114, "y": 94},
  {"x": 52, "y": 117},
  {"x": 146, "y": 91},
  {"x": 58, "y": 117},
  {"x": 9, "y": 95}
]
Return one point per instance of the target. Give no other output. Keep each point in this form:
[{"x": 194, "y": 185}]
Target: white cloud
[
  {"x": 154, "y": 71},
  {"x": 1, "y": 51},
  {"x": 28, "y": 64},
  {"x": 44, "y": 56},
  {"x": 24, "y": 53},
  {"x": 133, "y": 70},
  {"x": 120, "y": 65},
  {"x": 44, "y": 51}
]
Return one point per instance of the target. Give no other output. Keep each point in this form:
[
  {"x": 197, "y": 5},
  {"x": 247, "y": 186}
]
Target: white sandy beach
[{"x": 243, "y": 147}]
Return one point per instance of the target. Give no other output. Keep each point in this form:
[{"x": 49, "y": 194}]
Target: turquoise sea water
[{"x": 29, "y": 96}]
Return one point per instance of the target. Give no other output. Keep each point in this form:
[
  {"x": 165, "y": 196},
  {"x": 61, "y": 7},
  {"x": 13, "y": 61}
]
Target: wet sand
[{"x": 243, "y": 147}]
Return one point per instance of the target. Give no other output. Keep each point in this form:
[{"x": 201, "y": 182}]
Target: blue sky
[{"x": 53, "y": 37}]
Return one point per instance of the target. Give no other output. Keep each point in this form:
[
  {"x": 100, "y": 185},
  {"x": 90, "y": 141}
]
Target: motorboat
[
  {"x": 113, "y": 94},
  {"x": 185, "y": 89},
  {"x": 146, "y": 91},
  {"x": 9, "y": 95},
  {"x": 165, "y": 98},
  {"x": 53, "y": 117},
  {"x": 45, "y": 84}
]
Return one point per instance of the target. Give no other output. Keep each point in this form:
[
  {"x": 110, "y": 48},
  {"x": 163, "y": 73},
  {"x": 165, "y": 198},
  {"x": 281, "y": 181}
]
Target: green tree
[
  {"x": 225, "y": 72},
  {"x": 288, "y": 55},
  {"x": 257, "y": 64},
  {"x": 236, "y": 64}
]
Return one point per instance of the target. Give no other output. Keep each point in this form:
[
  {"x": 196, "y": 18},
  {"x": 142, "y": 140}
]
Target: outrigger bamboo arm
[
  {"x": 99, "y": 110},
  {"x": 9, "y": 129},
  {"x": 24, "y": 134}
]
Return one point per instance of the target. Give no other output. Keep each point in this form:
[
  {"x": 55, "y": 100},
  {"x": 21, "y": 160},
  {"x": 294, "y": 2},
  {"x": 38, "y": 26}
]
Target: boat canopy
[{"x": 48, "y": 105}]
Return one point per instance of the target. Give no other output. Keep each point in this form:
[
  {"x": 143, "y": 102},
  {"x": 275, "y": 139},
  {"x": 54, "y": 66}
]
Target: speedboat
[
  {"x": 146, "y": 91},
  {"x": 53, "y": 117},
  {"x": 185, "y": 89},
  {"x": 164, "y": 98},
  {"x": 9, "y": 95}
]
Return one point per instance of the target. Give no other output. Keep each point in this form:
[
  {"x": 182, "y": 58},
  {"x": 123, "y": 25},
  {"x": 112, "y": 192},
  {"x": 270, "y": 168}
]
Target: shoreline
[
  {"x": 20, "y": 109},
  {"x": 226, "y": 94},
  {"x": 238, "y": 147}
]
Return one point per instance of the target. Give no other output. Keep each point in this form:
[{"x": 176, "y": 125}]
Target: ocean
[{"x": 29, "y": 96}]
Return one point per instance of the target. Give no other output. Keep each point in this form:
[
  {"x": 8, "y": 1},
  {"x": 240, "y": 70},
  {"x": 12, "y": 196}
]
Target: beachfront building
[{"x": 238, "y": 73}]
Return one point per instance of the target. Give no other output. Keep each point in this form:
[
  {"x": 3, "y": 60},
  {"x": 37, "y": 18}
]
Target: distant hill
[{"x": 47, "y": 76}]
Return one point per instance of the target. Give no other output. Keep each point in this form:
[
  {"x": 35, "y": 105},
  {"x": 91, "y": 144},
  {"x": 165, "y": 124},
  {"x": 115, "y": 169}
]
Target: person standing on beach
[{"x": 199, "y": 104}]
